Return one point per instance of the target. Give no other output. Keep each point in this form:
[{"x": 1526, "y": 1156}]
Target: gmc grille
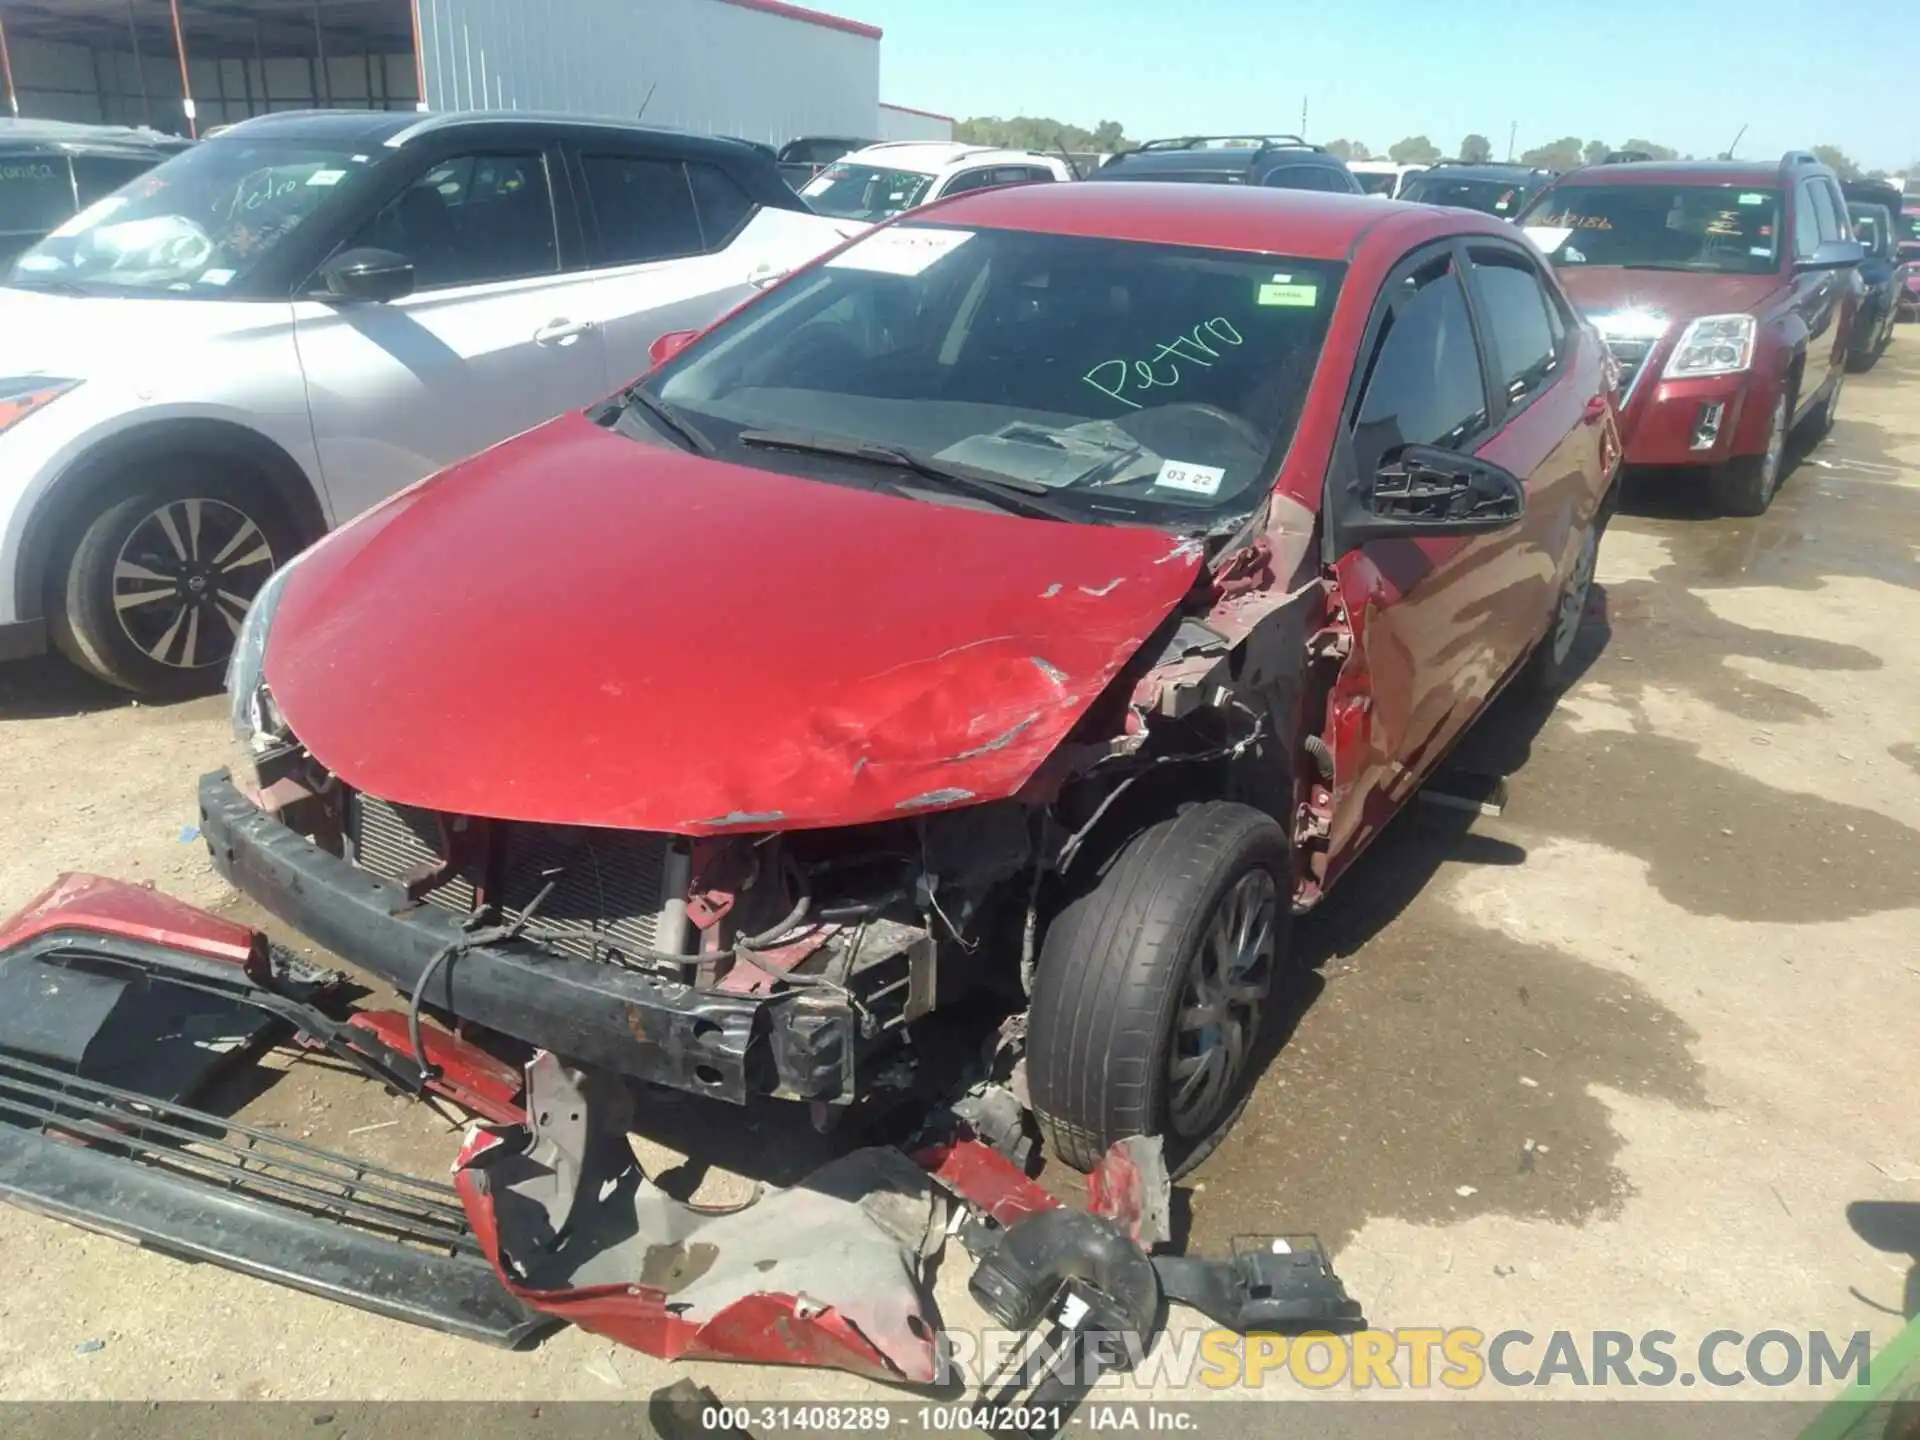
[
  {"x": 616, "y": 894},
  {"x": 1630, "y": 355}
]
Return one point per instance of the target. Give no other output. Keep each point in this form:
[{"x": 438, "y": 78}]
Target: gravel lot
[{"x": 1618, "y": 1058}]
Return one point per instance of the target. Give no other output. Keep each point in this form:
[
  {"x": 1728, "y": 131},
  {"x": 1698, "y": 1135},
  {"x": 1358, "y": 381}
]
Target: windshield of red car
[
  {"x": 1126, "y": 381},
  {"x": 1489, "y": 197},
  {"x": 1717, "y": 228}
]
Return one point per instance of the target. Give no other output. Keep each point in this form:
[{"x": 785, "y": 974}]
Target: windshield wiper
[
  {"x": 1011, "y": 495},
  {"x": 49, "y": 285},
  {"x": 669, "y": 420}
]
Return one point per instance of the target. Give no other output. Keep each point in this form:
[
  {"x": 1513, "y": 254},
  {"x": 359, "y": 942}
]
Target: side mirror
[
  {"x": 1422, "y": 491},
  {"x": 670, "y": 345},
  {"x": 1834, "y": 255},
  {"x": 368, "y": 274}
]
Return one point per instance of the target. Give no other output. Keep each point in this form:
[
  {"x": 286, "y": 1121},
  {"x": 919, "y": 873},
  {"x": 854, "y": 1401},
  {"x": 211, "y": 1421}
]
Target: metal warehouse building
[{"x": 757, "y": 69}]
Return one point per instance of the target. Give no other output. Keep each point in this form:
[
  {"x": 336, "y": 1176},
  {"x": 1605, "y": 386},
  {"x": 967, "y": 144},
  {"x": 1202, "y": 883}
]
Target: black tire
[
  {"x": 1115, "y": 968},
  {"x": 138, "y": 564},
  {"x": 1746, "y": 484},
  {"x": 1554, "y": 662},
  {"x": 1819, "y": 424}
]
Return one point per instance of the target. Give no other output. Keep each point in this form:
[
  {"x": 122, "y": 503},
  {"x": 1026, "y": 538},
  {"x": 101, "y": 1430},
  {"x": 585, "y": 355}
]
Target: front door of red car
[{"x": 1437, "y": 623}]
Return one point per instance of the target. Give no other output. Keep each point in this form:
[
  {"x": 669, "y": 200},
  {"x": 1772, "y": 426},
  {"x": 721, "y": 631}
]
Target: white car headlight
[{"x": 1713, "y": 345}]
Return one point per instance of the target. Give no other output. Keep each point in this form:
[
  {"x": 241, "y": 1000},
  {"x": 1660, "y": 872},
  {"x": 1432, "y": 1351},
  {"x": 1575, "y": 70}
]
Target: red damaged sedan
[{"x": 1045, "y": 597}]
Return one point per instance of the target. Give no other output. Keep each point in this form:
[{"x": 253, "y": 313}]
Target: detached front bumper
[{"x": 728, "y": 1046}]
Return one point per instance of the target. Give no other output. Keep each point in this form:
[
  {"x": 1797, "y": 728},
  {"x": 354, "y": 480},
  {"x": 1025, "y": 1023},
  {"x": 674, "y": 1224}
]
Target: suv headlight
[
  {"x": 21, "y": 395},
  {"x": 1713, "y": 345}
]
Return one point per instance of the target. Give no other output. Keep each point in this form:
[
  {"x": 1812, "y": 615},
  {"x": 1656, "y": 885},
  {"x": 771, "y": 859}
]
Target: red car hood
[
  {"x": 1680, "y": 297},
  {"x": 578, "y": 628}
]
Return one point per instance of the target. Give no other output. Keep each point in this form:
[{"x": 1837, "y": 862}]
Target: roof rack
[{"x": 1626, "y": 157}]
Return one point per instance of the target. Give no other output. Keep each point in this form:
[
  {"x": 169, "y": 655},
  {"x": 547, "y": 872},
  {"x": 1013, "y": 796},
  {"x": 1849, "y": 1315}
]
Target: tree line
[{"x": 1028, "y": 132}]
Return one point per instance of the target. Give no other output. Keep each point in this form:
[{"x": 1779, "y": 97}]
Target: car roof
[
  {"x": 395, "y": 128},
  {"x": 1306, "y": 224},
  {"x": 1681, "y": 172},
  {"x": 1202, "y": 154},
  {"x": 935, "y": 155},
  {"x": 68, "y": 137}
]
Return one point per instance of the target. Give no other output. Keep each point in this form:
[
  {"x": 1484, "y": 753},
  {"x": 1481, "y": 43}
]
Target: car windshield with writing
[
  {"x": 1489, "y": 197},
  {"x": 1908, "y": 228},
  {"x": 196, "y": 225},
  {"x": 1710, "y": 228},
  {"x": 1092, "y": 379},
  {"x": 864, "y": 192}
]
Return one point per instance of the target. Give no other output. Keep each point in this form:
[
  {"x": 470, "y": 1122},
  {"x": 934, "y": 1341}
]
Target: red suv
[
  {"x": 1040, "y": 597},
  {"x": 1727, "y": 291}
]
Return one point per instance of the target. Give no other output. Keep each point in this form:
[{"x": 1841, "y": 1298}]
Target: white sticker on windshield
[
  {"x": 326, "y": 177},
  {"x": 1548, "y": 237},
  {"x": 900, "y": 251},
  {"x": 90, "y": 216},
  {"x": 1760, "y": 252},
  {"x": 1194, "y": 479},
  {"x": 1753, "y": 198},
  {"x": 216, "y": 277}
]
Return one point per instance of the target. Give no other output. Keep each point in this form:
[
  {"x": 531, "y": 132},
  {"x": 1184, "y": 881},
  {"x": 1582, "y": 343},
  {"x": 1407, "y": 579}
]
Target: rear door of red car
[{"x": 1437, "y": 624}]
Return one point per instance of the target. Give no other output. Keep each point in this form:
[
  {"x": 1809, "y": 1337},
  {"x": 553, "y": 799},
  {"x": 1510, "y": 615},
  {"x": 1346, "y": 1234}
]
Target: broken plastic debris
[
  {"x": 1529, "y": 1082},
  {"x": 1465, "y": 1191}
]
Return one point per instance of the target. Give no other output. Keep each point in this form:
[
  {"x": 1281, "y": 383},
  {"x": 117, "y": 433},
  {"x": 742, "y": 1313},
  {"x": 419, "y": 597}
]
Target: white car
[
  {"x": 1383, "y": 177},
  {"x": 877, "y": 183},
  {"x": 277, "y": 328}
]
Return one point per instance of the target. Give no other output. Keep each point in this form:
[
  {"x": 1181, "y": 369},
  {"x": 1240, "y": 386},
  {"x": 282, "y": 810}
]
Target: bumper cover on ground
[{"x": 728, "y": 1047}]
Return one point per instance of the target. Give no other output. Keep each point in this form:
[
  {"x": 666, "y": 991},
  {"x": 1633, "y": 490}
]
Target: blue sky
[{"x": 1685, "y": 73}]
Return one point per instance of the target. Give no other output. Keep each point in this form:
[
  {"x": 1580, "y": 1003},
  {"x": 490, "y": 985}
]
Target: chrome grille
[
  {"x": 616, "y": 892},
  {"x": 1631, "y": 356}
]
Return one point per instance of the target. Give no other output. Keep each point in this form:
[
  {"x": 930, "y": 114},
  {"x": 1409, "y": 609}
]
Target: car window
[
  {"x": 643, "y": 209},
  {"x": 35, "y": 194},
  {"x": 1716, "y": 228},
  {"x": 1303, "y": 177},
  {"x": 1133, "y": 381},
  {"x": 205, "y": 222},
  {"x": 471, "y": 220},
  {"x": 723, "y": 207},
  {"x": 970, "y": 180},
  {"x": 95, "y": 176},
  {"x": 867, "y": 193},
  {"x": 1489, "y": 197},
  {"x": 1520, "y": 319},
  {"x": 1825, "y": 210},
  {"x": 1806, "y": 222},
  {"x": 1423, "y": 385},
  {"x": 1020, "y": 175}
]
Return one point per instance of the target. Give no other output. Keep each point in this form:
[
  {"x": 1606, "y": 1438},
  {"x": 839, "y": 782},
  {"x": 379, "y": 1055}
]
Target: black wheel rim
[
  {"x": 183, "y": 580},
  {"x": 1227, "y": 983}
]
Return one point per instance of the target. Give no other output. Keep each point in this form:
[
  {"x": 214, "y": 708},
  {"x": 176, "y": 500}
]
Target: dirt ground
[{"x": 1618, "y": 1058}]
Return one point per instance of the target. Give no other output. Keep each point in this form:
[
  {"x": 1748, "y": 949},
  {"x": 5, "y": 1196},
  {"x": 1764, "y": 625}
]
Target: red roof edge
[
  {"x": 909, "y": 110},
  {"x": 807, "y": 17}
]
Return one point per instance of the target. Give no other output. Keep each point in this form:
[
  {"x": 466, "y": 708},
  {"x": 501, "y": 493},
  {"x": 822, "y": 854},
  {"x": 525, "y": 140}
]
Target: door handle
[
  {"x": 1596, "y": 410},
  {"x": 559, "y": 332}
]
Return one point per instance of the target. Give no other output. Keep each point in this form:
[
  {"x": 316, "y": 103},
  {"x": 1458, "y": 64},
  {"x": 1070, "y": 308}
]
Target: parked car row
[{"x": 992, "y": 590}]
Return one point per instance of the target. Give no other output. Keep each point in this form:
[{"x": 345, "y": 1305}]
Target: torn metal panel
[
  {"x": 859, "y": 658},
  {"x": 829, "y": 1272},
  {"x": 986, "y": 1180}
]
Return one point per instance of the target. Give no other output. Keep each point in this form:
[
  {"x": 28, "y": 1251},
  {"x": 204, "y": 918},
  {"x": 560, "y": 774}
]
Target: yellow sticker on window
[{"x": 1275, "y": 294}]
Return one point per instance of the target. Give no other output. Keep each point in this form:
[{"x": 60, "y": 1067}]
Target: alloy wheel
[
  {"x": 184, "y": 578},
  {"x": 1227, "y": 985}
]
